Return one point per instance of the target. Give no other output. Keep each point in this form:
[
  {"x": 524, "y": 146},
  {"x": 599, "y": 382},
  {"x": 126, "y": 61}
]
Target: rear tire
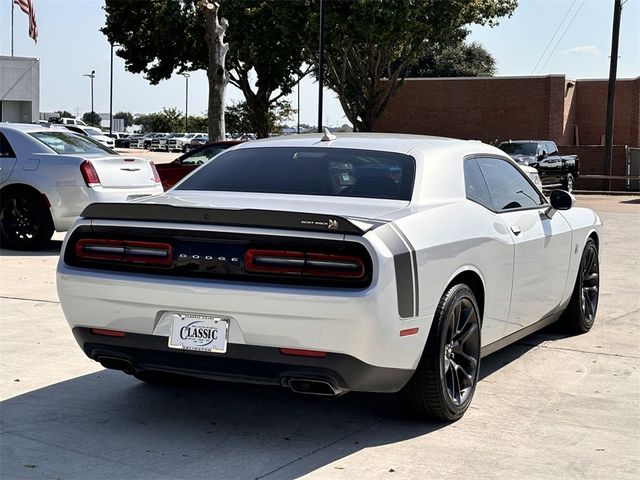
[
  {"x": 580, "y": 314},
  {"x": 444, "y": 382},
  {"x": 568, "y": 183},
  {"x": 25, "y": 222}
]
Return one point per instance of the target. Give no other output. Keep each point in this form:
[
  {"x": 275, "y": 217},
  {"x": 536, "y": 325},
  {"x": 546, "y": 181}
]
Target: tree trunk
[{"x": 216, "y": 71}]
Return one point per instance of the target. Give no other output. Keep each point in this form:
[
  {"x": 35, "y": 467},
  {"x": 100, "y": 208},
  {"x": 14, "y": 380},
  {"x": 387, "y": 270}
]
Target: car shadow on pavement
[
  {"x": 109, "y": 425},
  {"x": 52, "y": 248},
  {"x": 633, "y": 201}
]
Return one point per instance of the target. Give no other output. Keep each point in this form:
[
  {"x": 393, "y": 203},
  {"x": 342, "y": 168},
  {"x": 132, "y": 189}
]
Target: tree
[
  {"x": 265, "y": 56},
  {"x": 65, "y": 114},
  {"x": 127, "y": 116},
  {"x": 144, "y": 121},
  {"x": 241, "y": 122},
  {"x": 370, "y": 45},
  {"x": 170, "y": 120},
  {"x": 91, "y": 118},
  {"x": 459, "y": 60}
]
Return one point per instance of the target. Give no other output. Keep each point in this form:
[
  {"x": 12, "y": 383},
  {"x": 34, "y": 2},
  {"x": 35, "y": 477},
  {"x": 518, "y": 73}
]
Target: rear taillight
[
  {"x": 89, "y": 174},
  {"x": 125, "y": 251},
  {"x": 303, "y": 263},
  {"x": 156, "y": 175}
]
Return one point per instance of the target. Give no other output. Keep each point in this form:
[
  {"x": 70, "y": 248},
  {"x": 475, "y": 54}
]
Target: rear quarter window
[{"x": 308, "y": 171}]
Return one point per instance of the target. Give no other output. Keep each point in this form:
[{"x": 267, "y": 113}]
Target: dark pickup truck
[{"x": 555, "y": 170}]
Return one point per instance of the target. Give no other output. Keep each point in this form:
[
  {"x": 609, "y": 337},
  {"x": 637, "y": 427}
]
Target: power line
[
  {"x": 563, "y": 34},
  {"x": 552, "y": 37}
]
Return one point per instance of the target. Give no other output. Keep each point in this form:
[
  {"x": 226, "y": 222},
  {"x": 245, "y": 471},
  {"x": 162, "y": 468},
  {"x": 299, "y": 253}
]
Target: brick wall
[
  {"x": 473, "y": 108},
  {"x": 592, "y": 163},
  {"x": 591, "y": 111},
  {"x": 514, "y": 108}
]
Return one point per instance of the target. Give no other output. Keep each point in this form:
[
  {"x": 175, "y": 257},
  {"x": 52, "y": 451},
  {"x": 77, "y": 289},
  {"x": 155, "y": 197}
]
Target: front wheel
[
  {"x": 25, "y": 222},
  {"x": 444, "y": 382},
  {"x": 186, "y": 149},
  {"x": 581, "y": 312}
]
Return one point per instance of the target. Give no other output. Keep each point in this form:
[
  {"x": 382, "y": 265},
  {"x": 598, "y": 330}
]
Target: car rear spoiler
[{"x": 238, "y": 218}]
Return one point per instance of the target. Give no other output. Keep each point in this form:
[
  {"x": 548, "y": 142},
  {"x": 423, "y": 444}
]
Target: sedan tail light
[
  {"x": 125, "y": 251},
  {"x": 156, "y": 175},
  {"x": 89, "y": 174},
  {"x": 303, "y": 263}
]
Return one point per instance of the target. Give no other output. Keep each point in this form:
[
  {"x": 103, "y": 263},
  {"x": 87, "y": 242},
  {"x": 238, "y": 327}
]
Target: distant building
[
  {"x": 551, "y": 107},
  {"x": 19, "y": 89}
]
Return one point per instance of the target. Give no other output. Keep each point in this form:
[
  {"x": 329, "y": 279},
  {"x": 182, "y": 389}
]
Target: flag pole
[{"x": 13, "y": 6}]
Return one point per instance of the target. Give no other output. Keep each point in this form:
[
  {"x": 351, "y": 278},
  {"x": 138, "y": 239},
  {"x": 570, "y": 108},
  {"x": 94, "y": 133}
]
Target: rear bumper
[{"x": 241, "y": 363}]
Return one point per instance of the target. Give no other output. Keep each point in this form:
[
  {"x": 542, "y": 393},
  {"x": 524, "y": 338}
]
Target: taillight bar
[
  {"x": 125, "y": 251},
  {"x": 303, "y": 263},
  {"x": 89, "y": 174}
]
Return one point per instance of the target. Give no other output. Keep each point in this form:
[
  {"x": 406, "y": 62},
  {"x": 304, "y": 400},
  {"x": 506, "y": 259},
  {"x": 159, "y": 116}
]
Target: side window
[
  {"x": 5, "y": 149},
  {"x": 475, "y": 185},
  {"x": 508, "y": 187},
  {"x": 551, "y": 149}
]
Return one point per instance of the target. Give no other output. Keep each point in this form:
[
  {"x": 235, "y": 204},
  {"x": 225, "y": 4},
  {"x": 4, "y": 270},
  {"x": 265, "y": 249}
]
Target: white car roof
[
  {"x": 387, "y": 142},
  {"x": 33, "y": 127}
]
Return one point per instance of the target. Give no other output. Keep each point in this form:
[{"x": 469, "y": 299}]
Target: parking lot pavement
[
  {"x": 156, "y": 157},
  {"x": 546, "y": 407}
]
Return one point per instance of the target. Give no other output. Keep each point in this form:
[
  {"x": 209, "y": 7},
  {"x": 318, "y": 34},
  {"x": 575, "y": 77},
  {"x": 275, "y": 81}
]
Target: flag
[{"x": 27, "y": 7}]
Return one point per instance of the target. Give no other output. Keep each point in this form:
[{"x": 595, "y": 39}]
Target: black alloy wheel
[
  {"x": 581, "y": 311},
  {"x": 25, "y": 224},
  {"x": 461, "y": 351},
  {"x": 444, "y": 382}
]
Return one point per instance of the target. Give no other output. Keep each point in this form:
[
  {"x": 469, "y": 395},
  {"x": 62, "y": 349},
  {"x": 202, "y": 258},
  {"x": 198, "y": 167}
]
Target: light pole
[
  {"x": 186, "y": 101},
  {"x": 321, "y": 66},
  {"x": 91, "y": 75},
  {"x": 111, "y": 89}
]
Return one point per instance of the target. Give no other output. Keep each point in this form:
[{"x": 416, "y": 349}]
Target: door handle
[{"x": 516, "y": 229}]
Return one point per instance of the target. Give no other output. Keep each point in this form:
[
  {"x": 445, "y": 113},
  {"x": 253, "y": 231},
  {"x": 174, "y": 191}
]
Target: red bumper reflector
[
  {"x": 303, "y": 353},
  {"x": 408, "y": 331},
  {"x": 107, "y": 333}
]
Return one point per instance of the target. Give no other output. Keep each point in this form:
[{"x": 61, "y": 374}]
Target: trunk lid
[{"x": 118, "y": 171}]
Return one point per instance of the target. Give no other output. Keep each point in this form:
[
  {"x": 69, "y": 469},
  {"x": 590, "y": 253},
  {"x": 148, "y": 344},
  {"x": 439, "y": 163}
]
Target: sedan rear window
[
  {"x": 308, "y": 171},
  {"x": 63, "y": 142}
]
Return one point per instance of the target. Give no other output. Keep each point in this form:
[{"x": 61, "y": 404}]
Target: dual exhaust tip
[{"x": 307, "y": 386}]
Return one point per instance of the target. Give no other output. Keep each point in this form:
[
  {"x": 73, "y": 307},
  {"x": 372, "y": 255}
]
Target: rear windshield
[
  {"x": 62, "y": 142},
  {"x": 308, "y": 171},
  {"x": 519, "y": 148}
]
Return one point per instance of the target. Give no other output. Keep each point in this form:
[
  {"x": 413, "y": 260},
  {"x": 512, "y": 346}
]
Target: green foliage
[
  {"x": 459, "y": 60},
  {"x": 197, "y": 124},
  {"x": 170, "y": 120},
  {"x": 240, "y": 121},
  {"x": 144, "y": 121},
  {"x": 65, "y": 114},
  {"x": 370, "y": 44},
  {"x": 127, "y": 116},
  {"x": 91, "y": 118},
  {"x": 265, "y": 56}
]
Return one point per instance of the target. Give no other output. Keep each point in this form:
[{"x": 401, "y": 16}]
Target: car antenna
[{"x": 327, "y": 137}]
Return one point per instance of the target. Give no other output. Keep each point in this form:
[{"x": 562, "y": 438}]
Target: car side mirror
[
  {"x": 541, "y": 156},
  {"x": 559, "y": 200}
]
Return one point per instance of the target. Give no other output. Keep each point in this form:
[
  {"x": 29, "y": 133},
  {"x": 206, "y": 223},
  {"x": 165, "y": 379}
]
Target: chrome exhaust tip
[{"x": 310, "y": 386}]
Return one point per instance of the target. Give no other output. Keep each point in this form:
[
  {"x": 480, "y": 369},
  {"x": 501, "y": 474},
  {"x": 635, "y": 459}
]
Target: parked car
[
  {"x": 48, "y": 175},
  {"x": 136, "y": 141},
  {"x": 68, "y": 121},
  {"x": 149, "y": 137},
  {"x": 159, "y": 143},
  {"x": 94, "y": 133},
  {"x": 366, "y": 262},
  {"x": 556, "y": 171},
  {"x": 123, "y": 140},
  {"x": 178, "y": 143},
  {"x": 198, "y": 140},
  {"x": 171, "y": 173}
]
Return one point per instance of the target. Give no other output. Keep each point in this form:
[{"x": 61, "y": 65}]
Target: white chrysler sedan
[
  {"x": 367, "y": 262},
  {"x": 48, "y": 175}
]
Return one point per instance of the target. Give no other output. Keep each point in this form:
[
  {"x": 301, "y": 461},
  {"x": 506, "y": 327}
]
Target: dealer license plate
[{"x": 199, "y": 332}]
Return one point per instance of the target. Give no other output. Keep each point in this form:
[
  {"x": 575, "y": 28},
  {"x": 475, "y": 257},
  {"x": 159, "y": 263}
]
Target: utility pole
[
  {"x": 111, "y": 93},
  {"x": 611, "y": 95},
  {"x": 186, "y": 102},
  {"x": 91, "y": 75},
  {"x": 321, "y": 66}
]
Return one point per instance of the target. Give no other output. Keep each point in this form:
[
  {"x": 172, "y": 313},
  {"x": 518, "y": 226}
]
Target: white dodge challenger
[{"x": 367, "y": 262}]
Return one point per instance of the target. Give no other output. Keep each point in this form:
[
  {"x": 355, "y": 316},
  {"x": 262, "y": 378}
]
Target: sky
[{"x": 70, "y": 44}]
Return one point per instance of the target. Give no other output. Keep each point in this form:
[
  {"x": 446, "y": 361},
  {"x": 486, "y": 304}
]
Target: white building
[{"x": 19, "y": 89}]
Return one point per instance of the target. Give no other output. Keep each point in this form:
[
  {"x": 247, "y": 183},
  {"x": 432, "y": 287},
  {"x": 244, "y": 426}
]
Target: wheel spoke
[
  {"x": 463, "y": 337},
  {"x": 591, "y": 281},
  {"x": 472, "y": 362},
  {"x": 456, "y": 383}
]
